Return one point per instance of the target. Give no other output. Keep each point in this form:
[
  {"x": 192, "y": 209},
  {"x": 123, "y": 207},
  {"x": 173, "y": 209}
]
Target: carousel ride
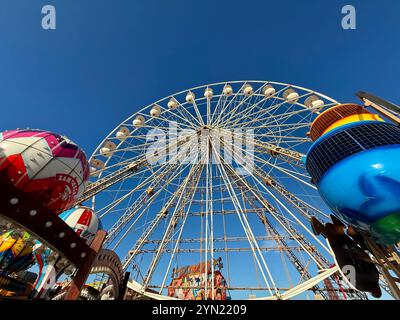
[{"x": 239, "y": 190}]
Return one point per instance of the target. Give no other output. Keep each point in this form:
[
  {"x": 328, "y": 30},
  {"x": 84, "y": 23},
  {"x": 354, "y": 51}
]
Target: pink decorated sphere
[
  {"x": 46, "y": 166},
  {"x": 83, "y": 221}
]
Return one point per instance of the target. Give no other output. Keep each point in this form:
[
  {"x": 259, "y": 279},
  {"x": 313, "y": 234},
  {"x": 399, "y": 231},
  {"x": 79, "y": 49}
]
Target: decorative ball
[
  {"x": 84, "y": 222},
  {"x": 15, "y": 252},
  {"x": 364, "y": 190},
  {"x": 45, "y": 165}
]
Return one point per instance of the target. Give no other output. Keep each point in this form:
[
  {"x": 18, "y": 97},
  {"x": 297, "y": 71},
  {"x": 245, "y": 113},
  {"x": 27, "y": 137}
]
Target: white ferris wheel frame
[{"x": 304, "y": 286}]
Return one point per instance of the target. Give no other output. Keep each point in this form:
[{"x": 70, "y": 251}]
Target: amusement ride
[{"x": 233, "y": 190}]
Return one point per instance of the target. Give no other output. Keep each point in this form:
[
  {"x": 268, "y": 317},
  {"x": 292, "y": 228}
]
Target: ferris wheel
[{"x": 205, "y": 195}]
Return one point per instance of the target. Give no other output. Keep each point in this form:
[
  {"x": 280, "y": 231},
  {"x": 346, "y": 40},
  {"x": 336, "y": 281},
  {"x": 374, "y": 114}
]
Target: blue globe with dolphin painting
[{"x": 356, "y": 168}]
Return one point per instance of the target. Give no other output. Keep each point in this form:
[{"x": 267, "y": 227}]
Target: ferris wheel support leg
[{"x": 83, "y": 272}]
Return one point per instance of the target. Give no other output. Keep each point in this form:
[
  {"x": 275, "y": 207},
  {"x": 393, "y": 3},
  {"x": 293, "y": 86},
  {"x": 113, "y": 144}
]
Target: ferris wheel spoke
[
  {"x": 280, "y": 117},
  {"x": 288, "y": 211},
  {"x": 172, "y": 141},
  {"x": 246, "y": 226},
  {"x": 143, "y": 201},
  {"x": 267, "y": 117},
  {"x": 308, "y": 248},
  {"x": 198, "y": 121},
  {"x": 151, "y": 179},
  {"x": 167, "y": 115},
  {"x": 157, "y": 183},
  {"x": 262, "y": 176},
  {"x": 279, "y": 238},
  {"x": 164, "y": 212},
  {"x": 285, "y": 139},
  {"x": 304, "y": 208},
  {"x": 129, "y": 170},
  {"x": 245, "y": 103},
  {"x": 268, "y": 179},
  {"x": 178, "y": 240},
  {"x": 199, "y": 117},
  {"x": 210, "y": 213},
  {"x": 272, "y": 107},
  {"x": 245, "y": 99},
  {"x": 278, "y": 151},
  {"x": 291, "y": 173},
  {"x": 209, "y": 217},
  {"x": 132, "y": 149},
  {"x": 154, "y": 172},
  {"x": 182, "y": 109},
  {"x": 208, "y": 110},
  {"x": 287, "y": 115},
  {"x": 224, "y": 109},
  {"x": 121, "y": 166},
  {"x": 290, "y": 127},
  {"x": 227, "y": 101},
  {"x": 266, "y": 112},
  {"x": 173, "y": 122},
  {"x": 184, "y": 198},
  {"x": 139, "y": 216},
  {"x": 231, "y": 113},
  {"x": 235, "y": 118},
  {"x": 243, "y": 114},
  {"x": 217, "y": 106}
]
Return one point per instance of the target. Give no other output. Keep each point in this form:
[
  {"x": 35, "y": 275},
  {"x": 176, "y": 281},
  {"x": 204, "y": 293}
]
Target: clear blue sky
[{"x": 107, "y": 59}]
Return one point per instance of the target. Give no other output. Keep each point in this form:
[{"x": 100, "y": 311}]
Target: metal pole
[
  {"x": 124, "y": 286},
  {"x": 380, "y": 105},
  {"x": 80, "y": 278}
]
